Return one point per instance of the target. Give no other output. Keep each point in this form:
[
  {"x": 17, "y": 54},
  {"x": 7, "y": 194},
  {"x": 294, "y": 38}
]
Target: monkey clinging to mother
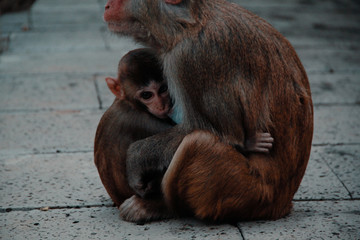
[{"x": 231, "y": 75}]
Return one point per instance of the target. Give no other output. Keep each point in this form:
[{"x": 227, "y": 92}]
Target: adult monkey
[{"x": 222, "y": 64}]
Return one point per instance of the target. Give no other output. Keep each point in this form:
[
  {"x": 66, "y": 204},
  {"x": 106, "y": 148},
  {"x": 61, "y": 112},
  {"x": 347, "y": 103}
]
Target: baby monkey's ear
[{"x": 115, "y": 87}]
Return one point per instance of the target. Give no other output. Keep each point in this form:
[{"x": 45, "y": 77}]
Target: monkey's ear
[
  {"x": 174, "y": 2},
  {"x": 182, "y": 14},
  {"x": 115, "y": 87}
]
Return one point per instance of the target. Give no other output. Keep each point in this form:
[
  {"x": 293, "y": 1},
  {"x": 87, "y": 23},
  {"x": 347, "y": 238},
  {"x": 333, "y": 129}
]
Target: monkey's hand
[
  {"x": 136, "y": 209},
  {"x": 260, "y": 143}
]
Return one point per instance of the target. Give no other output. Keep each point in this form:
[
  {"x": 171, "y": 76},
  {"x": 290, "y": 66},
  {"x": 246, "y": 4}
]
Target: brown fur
[
  {"x": 206, "y": 177},
  {"x": 233, "y": 75},
  {"x": 120, "y": 126},
  {"x": 126, "y": 121}
]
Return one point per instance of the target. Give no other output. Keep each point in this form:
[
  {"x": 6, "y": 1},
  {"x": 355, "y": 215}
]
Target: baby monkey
[{"x": 142, "y": 108}]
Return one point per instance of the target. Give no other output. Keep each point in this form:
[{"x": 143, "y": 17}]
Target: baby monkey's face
[{"x": 156, "y": 98}]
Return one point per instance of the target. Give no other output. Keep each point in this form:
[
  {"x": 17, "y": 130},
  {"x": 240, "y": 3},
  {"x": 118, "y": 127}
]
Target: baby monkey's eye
[
  {"x": 146, "y": 95},
  {"x": 163, "y": 89}
]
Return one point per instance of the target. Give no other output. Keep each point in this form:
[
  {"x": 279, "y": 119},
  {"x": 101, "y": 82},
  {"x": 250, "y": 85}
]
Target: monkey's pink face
[
  {"x": 115, "y": 14},
  {"x": 156, "y": 98}
]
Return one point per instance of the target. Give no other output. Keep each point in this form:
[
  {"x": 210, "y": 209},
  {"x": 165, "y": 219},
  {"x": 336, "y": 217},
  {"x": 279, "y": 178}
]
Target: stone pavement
[{"x": 52, "y": 95}]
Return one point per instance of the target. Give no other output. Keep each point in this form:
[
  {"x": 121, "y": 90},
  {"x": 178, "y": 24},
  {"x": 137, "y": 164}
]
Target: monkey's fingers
[
  {"x": 266, "y": 139},
  {"x": 264, "y": 145},
  {"x": 263, "y": 135},
  {"x": 261, "y": 150}
]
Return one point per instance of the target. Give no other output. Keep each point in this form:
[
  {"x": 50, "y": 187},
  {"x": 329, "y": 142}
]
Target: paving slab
[
  {"x": 86, "y": 62},
  {"x": 319, "y": 181},
  {"x": 74, "y": 19},
  {"x": 48, "y": 132},
  {"x": 330, "y": 60},
  {"x": 104, "y": 223},
  {"x": 24, "y": 92},
  {"x": 335, "y": 88},
  {"x": 318, "y": 19},
  {"x": 50, "y": 42},
  {"x": 50, "y": 16},
  {"x": 50, "y": 180},
  {"x": 314, "y": 42},
  {"x": 15, "y": 22},
  {"x": 310, "y": 220},
  {"x": 344, "y": 161},
  {"x": 336, "y": 124}
]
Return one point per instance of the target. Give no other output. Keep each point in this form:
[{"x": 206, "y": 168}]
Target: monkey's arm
[{"x": 148, "y": 159}]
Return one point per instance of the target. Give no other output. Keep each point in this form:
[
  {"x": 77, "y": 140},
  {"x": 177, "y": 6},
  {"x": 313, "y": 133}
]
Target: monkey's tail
[{"x": 213, "y": 181}]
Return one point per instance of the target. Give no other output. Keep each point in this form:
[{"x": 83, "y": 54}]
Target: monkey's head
[
  {"x": 140, "y": 81},
  {"x": 155, "y": 22}
]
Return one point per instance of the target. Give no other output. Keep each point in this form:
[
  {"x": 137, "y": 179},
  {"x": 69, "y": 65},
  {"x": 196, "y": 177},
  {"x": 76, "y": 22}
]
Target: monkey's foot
[{"x": 136, "y": 209}]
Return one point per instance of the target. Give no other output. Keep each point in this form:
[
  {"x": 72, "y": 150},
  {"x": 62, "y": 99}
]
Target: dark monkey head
[{"x": 140, "y": 81}]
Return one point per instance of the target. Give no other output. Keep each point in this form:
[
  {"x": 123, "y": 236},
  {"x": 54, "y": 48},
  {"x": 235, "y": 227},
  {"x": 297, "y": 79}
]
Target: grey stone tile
[
  {"x": 47, "y": 91},
  {"x": 316, "y": 19},
  {"x": 73, "y": 19},
  {"x": 50, "y": 42},
  {"x": 14, "y": 22},
  {"x": 68, "y": 16},
  {"x": 50, "y": 180},
  {"x": 55, "y": 131},
  {"x": 319, "y": 181},
  {"x": 104, "y": 223},
  {"x": 86, "y": 62},
  {"x": 345, "y": 163},
  {"x": 316, "y": 42},
  {"x": 336, "y": 124},
  {"x": 65, "y": 4},
  {"x": 340, "y": 88},
  {"x": 333, "y": 60},
  {"x": 310, "y": 220}
]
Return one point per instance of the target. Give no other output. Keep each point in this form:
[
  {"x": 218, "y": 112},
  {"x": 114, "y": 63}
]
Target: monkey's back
[{"x": 239, "y": 58}]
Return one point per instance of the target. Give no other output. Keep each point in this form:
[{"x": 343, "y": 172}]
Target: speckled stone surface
[
  {"x": 47, "y": 92},
  {"x": 105, "y": 223},
  {"x": 319, "y": 181},
  {"x": 310, "y": 220},
  {"x": 48, "y": 131},
  {"x": 51, "y": 180}
]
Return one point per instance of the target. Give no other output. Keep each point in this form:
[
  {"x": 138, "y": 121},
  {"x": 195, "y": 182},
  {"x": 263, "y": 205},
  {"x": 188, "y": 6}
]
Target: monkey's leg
[
  {"x": 148, "y": 159},
  {"x": 216, "y": 182}
]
